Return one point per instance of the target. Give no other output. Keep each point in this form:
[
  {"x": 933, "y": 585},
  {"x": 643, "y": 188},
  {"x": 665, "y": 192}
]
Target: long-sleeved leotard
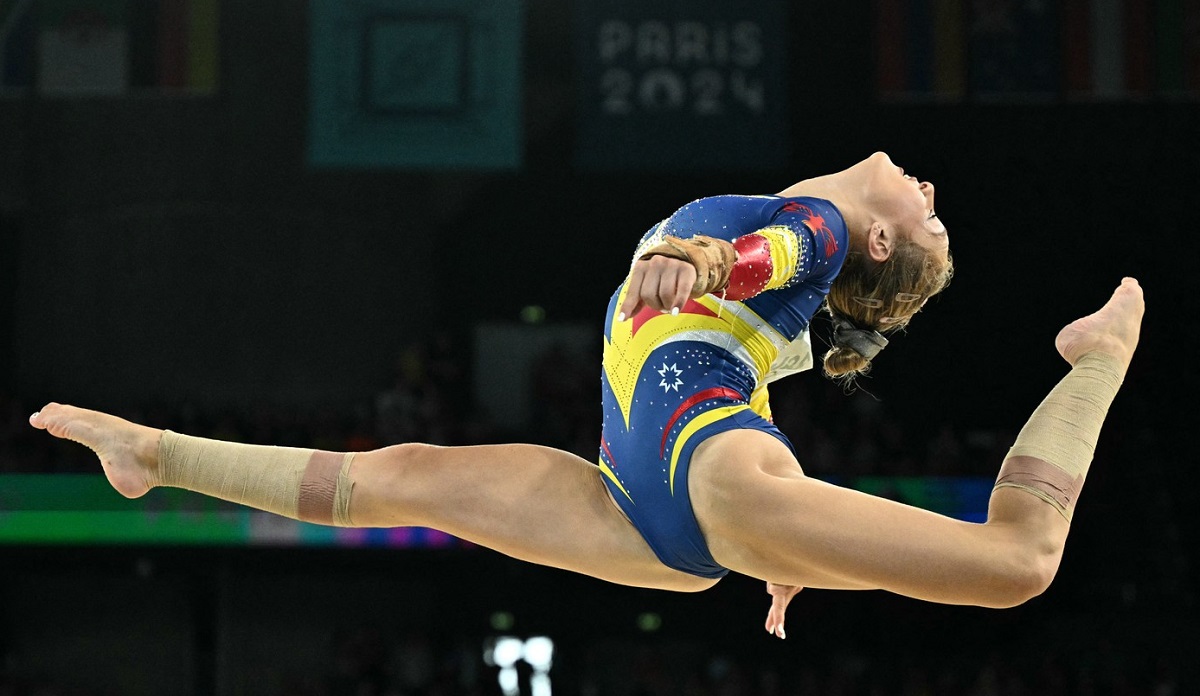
[{"x": 671, "y": 382}]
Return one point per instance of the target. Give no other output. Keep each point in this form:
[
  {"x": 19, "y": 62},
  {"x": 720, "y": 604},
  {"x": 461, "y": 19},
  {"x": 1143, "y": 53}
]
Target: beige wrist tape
[
  {"x": 1052, "y": 453},
  {"x": 304, "y": 484},
  {"x": 713, "y": 259}
]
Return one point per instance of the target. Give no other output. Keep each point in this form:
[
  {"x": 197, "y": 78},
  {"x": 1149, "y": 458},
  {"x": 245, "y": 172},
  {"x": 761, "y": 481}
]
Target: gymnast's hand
[
  {"x": 660, "y": 283},
  {"x": 780, "y": 596}
]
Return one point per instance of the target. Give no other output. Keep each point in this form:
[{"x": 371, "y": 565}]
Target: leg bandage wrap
[
  {"x": 303, "y": 484},
  {"x": 1051, "y": 455},
  {"x": 713, "y": 259}
]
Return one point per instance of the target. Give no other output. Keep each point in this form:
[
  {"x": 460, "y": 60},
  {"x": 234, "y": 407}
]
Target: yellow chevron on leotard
[
  {"x": 604, "y": 469},
  {"x": 760, "y": 401},
  {"x": 619, "y": 367},
  {"x": 626, "y": 353},
  {"x": 786, "y": 252},
  {"x": 690, "y": 429}
]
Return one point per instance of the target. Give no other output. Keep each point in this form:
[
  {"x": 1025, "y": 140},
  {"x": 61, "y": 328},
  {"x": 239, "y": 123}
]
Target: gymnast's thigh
[
  {"x": 762, "y": 517},
  {"x": 534, "y": 503}
]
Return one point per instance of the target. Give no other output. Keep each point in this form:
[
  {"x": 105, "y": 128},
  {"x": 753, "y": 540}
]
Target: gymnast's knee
[
  {"x": 1025, "y": 572},
  {"x": 403, "y": 475}
]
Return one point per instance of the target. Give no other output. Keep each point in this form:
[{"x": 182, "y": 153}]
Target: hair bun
[{"x": 844, "y": 363}]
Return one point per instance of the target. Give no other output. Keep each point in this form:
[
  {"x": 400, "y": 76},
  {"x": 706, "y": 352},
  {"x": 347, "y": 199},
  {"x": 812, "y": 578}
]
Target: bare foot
[
  {"x": 1112, "y": 330},
  {"x": 128, "y": 452}
]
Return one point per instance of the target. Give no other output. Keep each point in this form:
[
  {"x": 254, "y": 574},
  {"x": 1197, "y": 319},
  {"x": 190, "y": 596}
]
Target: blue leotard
[{"x": 671, "y": 382}]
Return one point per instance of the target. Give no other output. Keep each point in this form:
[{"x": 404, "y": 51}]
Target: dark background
[{"x": 161, "y": 250}]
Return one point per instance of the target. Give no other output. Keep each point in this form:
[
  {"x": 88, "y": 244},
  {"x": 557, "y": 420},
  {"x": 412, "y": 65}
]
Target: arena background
[{"x": 211, "y": 222}]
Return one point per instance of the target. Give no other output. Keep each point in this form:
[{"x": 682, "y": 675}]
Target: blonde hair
[{"x": 882, "y": 297}]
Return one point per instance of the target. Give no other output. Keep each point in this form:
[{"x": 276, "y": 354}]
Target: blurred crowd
[
  {"x": 430, "y": 399},
  {"x": 365, "y": 664}
]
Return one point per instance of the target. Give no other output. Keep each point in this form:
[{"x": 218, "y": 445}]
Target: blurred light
[
  {"x": 507, "y": 651},
  {"x": 649, "y": 622},
  {"x": 502, "y": 621},
  {"x": 539, "y": 652},
  {"x": 539, "y": 684},
  {"x": 508, "y": 682},
  {"x": 533, "y": 314}
]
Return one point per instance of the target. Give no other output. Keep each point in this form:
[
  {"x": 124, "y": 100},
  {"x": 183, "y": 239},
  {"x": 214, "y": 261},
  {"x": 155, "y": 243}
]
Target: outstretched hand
[
  {"x": 780, "y": 596},
  {"x": 660, "y": 283}
]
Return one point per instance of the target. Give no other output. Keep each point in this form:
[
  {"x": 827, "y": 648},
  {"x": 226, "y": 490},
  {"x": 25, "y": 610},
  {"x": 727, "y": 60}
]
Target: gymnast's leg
[
  {"x": 534, "y": 503},
  {"x": 763, "y": 517}
]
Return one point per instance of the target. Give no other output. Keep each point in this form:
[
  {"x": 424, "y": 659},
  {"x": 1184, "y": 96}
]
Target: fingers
[
  {"x": 781, "y": 595},
  {"x": 668, "y": 292},
  {"x": 684, "y": 282},
  {"x": 660, "y": 283},
  {"x": 775, "y": 616},
  {"x": 779, "y": 609},
  {"x": 633, "y": 292}
]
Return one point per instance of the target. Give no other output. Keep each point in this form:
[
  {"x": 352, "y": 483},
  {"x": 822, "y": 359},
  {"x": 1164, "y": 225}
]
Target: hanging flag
[
  {"x": 1105, "y": 48},
  {"x": 186, "y": 44},
  {"x": 1041, "y": 49},
  {"x": 109, "y": 47},
  {"x": 16, "y": 44},
  {"x": 1131, "y": 49},
  {"x": 176, "y": 45},
  {"x": 1014, "y": 48},
  {"x": 1176, "y": 49},
  {"x": 82, "y": 48},
  {"x": 921, "y": 49}
]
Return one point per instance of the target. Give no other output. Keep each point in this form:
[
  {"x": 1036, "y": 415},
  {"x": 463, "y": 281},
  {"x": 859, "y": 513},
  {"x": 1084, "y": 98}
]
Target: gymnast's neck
[{"x": 838, "y": 190}]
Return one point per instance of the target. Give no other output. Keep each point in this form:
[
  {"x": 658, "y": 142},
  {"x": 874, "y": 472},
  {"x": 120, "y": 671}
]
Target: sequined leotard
[{"x": 671, "y": 382}]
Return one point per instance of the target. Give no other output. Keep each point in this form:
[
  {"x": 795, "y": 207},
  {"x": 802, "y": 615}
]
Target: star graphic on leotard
[
  {"x": 816, "y": 223},
  {"x": 670, "y": 381}
]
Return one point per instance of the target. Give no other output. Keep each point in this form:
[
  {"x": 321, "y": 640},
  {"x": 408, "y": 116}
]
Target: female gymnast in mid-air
[{"x": 693, "y": 478}]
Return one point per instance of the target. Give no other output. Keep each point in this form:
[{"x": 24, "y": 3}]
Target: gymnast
[{"x": 693, "y": 480}]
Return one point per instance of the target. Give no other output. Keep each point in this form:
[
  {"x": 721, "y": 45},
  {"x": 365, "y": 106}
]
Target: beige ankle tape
[
  {"x": 304, "y": 484},
  {"x": 1052, "y": 453}
]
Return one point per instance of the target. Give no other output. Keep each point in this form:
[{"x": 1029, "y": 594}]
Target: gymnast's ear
[{"x": 880, "y": 242}]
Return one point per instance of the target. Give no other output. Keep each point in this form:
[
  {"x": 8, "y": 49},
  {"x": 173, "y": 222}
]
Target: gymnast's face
[{"x": 900, "y": 205}]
